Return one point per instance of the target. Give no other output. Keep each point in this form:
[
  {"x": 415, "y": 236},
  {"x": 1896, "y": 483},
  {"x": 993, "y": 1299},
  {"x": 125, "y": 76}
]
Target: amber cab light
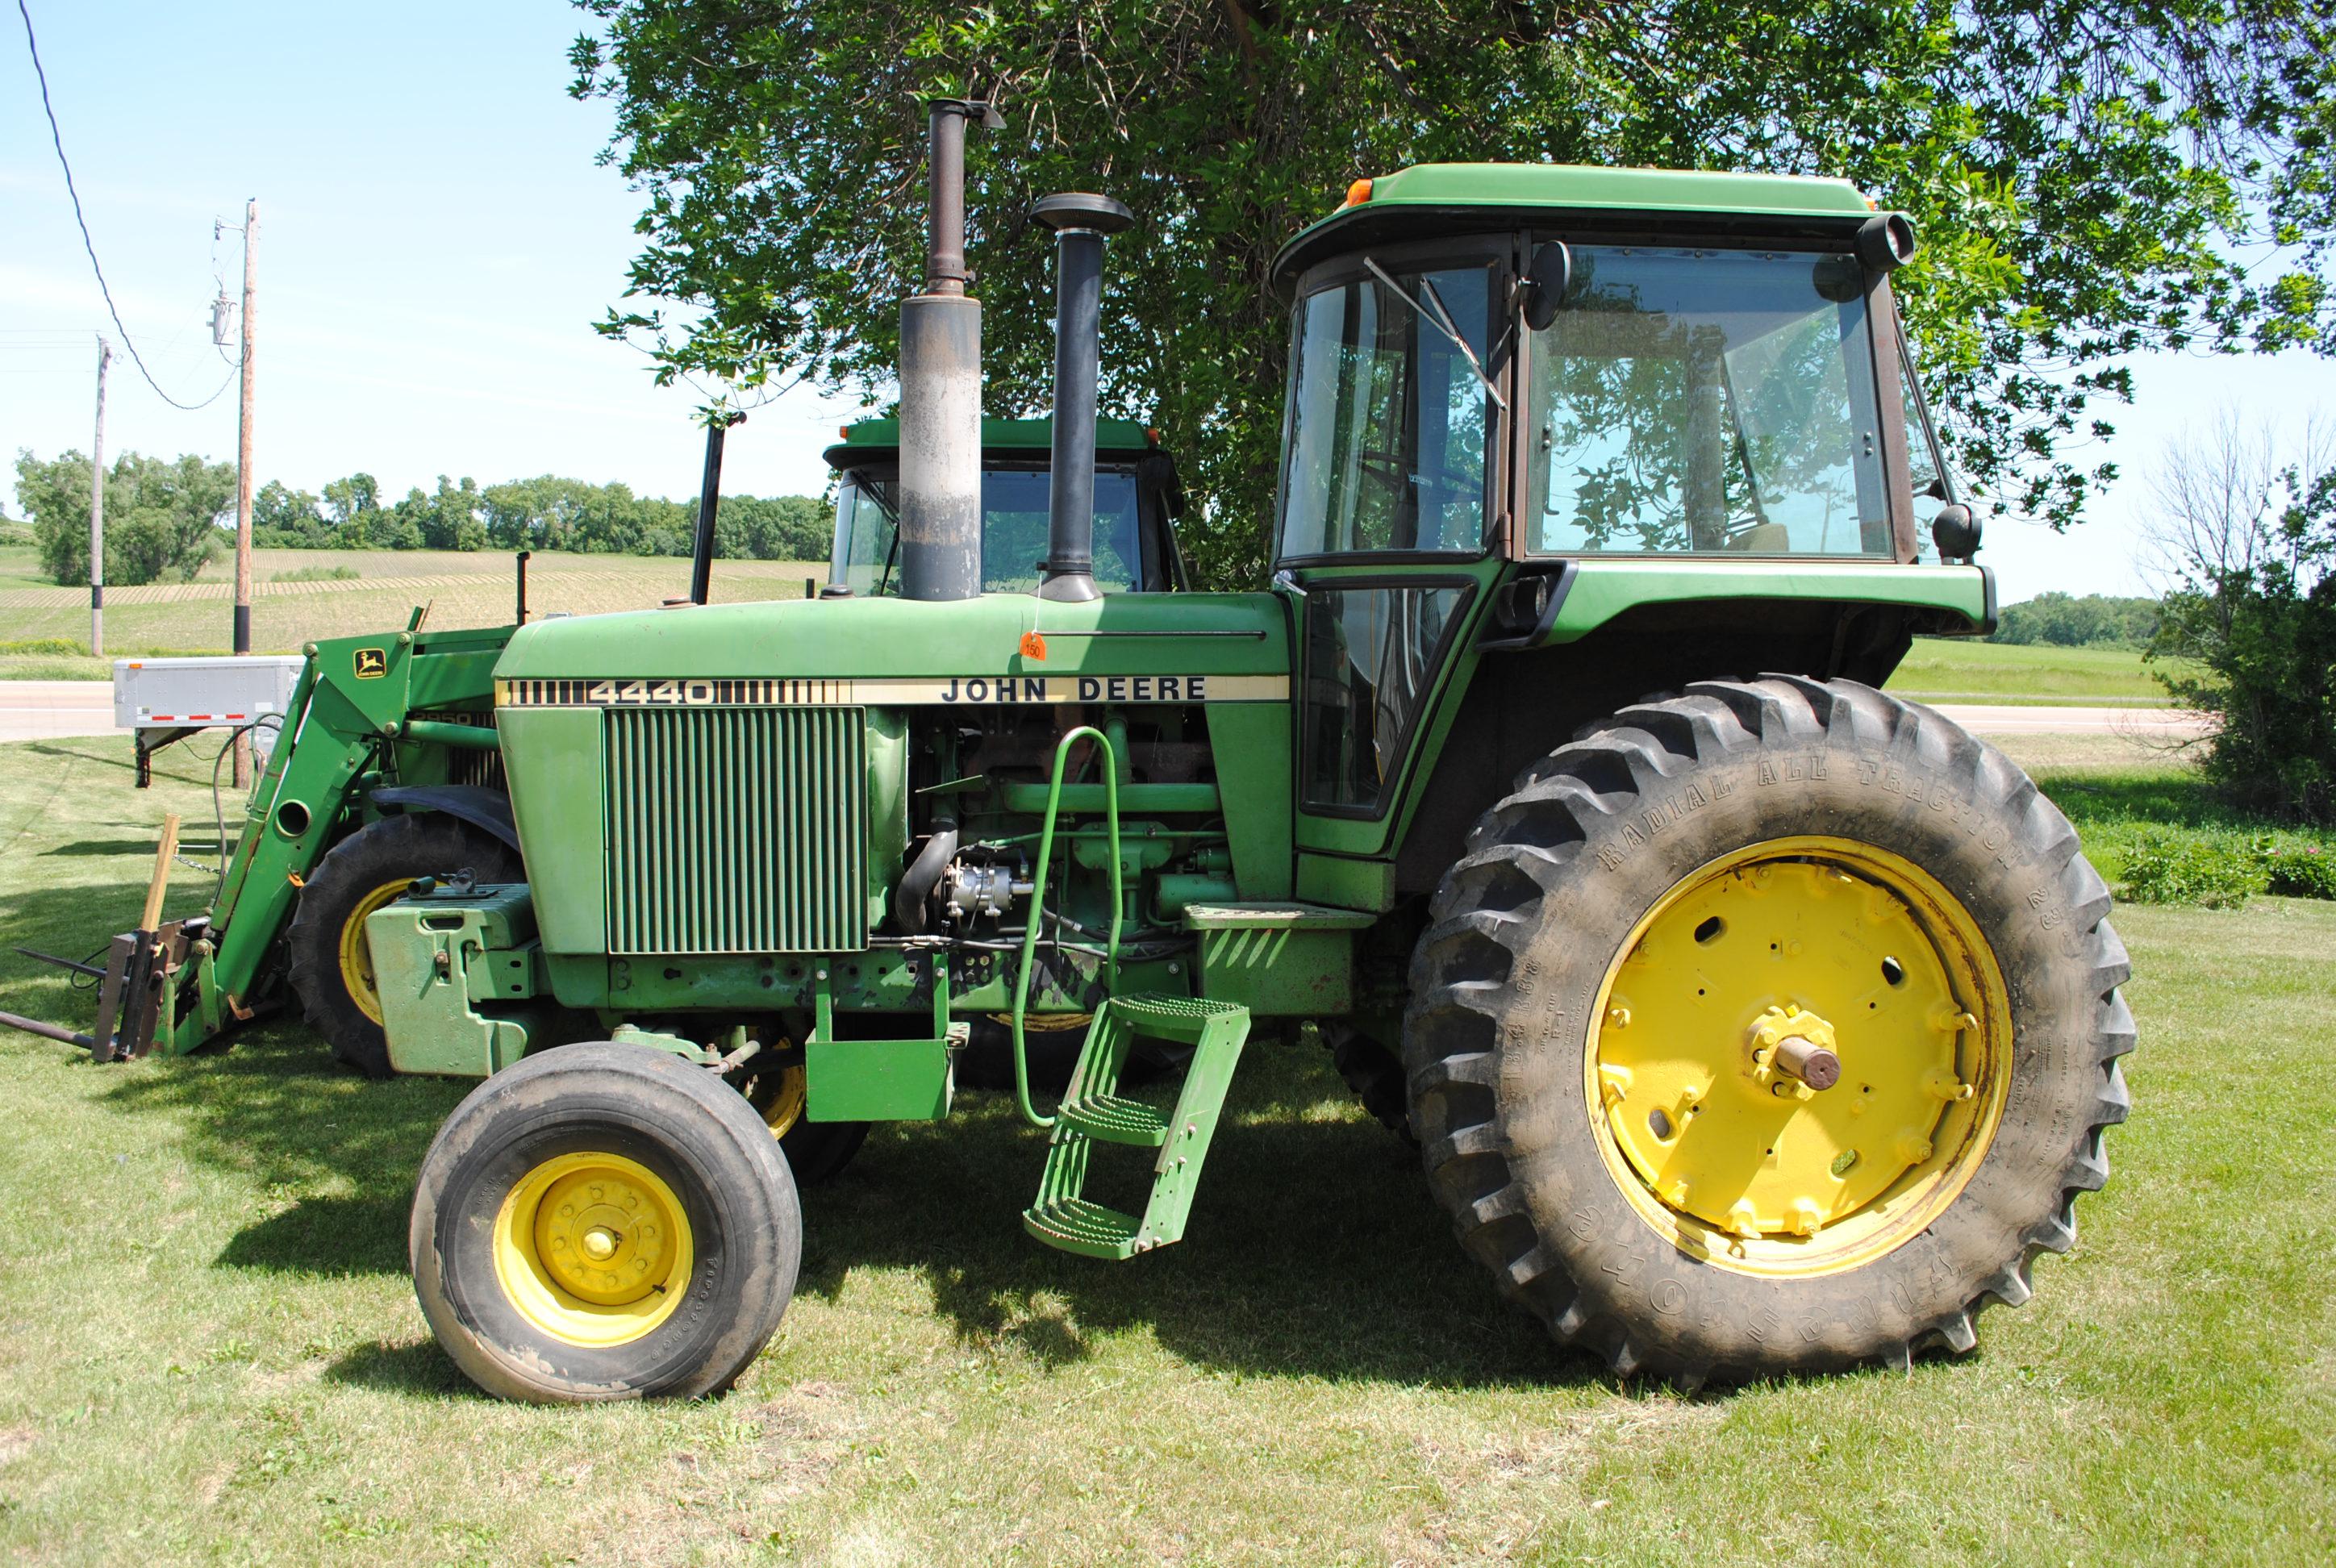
[{"x": 1358, "y": 193}]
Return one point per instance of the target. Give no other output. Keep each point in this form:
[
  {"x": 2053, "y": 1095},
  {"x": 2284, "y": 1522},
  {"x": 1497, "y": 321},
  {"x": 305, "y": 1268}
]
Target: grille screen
[{"x": 736, "y": 830}]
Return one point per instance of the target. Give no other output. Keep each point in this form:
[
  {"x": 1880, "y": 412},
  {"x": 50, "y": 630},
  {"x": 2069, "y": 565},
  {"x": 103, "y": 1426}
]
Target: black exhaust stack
[
  {"x": 709, "y": 501},
  {"x": 1081, "y": 223},
  {"x": 941, "y": 384}
]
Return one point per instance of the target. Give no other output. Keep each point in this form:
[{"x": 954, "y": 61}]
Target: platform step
[
  {"x": 1089, "y": 1229},
  {"x": 1093, "y": 1112},
  {"x": 1114, "y": 1120},
  {"x": 1183, "y": 1019}
]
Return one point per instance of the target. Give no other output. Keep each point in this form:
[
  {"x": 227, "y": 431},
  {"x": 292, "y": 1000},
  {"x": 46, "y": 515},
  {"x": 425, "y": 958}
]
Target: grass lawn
[
  {"x": 1952, "y": 669},
  {"x": 209, "y": 1348}
]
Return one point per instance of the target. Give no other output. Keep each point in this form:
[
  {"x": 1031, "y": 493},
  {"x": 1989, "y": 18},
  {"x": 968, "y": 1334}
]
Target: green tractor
[{"x": 1749, "y": 1021}]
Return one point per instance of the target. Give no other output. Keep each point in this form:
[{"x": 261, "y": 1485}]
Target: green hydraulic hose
[{"x": 1039, "y": 901}]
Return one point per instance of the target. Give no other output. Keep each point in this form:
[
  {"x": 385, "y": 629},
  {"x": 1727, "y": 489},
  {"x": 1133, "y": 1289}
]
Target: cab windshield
[
  {"x": 1014, "y": 503},
  {"x": 1695, "y": 401}
]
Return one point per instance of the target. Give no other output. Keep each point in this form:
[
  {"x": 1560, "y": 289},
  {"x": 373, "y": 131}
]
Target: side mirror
[
  {"x": 1886, "y": 242},
  {"x": 1955, "y": 531},
  {"x": 1547, "y": 277}
]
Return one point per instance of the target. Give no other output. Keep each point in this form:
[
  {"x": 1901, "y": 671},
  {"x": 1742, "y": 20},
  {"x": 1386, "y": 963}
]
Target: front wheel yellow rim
[
  {"x": 356, "y": 957},
  {"x": 1799, "y": 1057},
  {"x": 593, "y": 1249}
]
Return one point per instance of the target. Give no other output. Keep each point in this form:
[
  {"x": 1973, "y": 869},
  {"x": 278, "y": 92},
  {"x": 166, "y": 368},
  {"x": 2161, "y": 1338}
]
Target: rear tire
[
  {"x": 331, "y": 970},
  {"x": 604, "y": 1222},
  {"x": 1566, "y": 1156}
]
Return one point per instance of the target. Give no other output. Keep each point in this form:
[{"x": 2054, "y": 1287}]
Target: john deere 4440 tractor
[{"x": 1748, "y": 1021}]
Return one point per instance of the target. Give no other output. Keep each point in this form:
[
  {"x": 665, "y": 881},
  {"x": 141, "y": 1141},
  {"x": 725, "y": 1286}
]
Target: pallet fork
[{"x": 140, "y": 972}]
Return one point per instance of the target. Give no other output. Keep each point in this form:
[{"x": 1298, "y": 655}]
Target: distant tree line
[
  {"x": 544, "y": 514},
  {"x": 2095, "y": 620},
  {"x": 166, "y": 518}
]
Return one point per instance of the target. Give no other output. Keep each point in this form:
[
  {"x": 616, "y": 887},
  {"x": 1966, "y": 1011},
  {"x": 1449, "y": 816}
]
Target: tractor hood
[{"x": 1001, "y": 646}]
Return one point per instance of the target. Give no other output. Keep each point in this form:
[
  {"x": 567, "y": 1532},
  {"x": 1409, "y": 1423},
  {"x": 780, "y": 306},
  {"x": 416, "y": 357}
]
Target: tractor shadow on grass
[
  {"x": 1314, "y": 1247},
  {"x": 274, "y": 1105}
]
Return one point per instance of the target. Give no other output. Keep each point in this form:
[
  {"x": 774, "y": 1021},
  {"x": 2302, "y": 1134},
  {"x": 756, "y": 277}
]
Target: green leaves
[
  {"x": 2088, "y": 180},
  {"x": 161, "y": 514}
]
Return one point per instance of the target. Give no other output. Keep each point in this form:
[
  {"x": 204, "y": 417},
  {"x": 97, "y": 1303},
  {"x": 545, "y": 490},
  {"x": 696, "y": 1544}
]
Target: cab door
[{"x": 1393, "y": 475}]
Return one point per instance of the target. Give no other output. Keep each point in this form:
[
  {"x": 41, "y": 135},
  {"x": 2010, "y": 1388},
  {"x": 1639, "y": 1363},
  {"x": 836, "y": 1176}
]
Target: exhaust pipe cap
[{"x": 1082, "y": 209}]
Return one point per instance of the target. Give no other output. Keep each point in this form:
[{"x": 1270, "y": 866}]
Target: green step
[
  {"x": 1091, "y": 1230},
  {"x": 1115, "y": 1121},
  {"x": 1093, "y": 1112}
]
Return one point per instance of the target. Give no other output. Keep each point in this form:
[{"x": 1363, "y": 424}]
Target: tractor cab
[
  {"x": 1556, "y": 437},
  {"x": 1137, "y": 498},
  {"x": 1547, "y": 361}
]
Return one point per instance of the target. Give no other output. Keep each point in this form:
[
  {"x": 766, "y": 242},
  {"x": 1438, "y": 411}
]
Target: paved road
[
  {"x": 2150, "y": 724},
  {"x": 46, "y": 709}
]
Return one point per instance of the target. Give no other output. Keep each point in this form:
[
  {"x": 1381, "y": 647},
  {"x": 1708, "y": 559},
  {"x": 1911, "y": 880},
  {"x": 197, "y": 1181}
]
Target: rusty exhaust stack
[{"x": 941, "y": 384}]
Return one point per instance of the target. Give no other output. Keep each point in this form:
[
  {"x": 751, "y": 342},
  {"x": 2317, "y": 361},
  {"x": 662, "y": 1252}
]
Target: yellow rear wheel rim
[
  {"x": 593, "y": 1249},
  {"x": 356, "y": 957},
  {"x": 1695, "y": 1063}
]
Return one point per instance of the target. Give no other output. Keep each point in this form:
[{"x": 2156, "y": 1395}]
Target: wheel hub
[
  {"x": 1782, "y": 1047},
  {"x": 603, "y": 1236},
  {"x": 593, "y": 1248}
]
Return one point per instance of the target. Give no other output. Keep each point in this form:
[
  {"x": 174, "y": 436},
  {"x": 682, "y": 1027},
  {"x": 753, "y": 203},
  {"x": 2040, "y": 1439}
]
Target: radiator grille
[{"x": 737, "y": 830}]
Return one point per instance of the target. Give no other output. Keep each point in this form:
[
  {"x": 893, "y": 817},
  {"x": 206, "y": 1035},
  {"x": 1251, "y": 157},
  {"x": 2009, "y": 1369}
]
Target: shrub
[
  {"x": 318, "y": 574},
  {"x": 2209, "y": 870},
  {"x": 2303, "y": 871}
]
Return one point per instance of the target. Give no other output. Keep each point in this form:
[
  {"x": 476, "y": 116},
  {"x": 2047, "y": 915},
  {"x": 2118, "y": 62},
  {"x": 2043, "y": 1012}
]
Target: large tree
[
  {"x": 161, "y": 515},
  {"x": 2090, "y": 179}
]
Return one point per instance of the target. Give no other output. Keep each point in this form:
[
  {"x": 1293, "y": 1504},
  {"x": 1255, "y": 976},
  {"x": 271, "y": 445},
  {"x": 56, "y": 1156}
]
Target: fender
[{"x": 482, "y": 807}]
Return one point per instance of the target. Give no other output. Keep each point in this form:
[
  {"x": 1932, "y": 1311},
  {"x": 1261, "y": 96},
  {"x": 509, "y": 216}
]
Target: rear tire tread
[{"x": 1555, "y": 806}]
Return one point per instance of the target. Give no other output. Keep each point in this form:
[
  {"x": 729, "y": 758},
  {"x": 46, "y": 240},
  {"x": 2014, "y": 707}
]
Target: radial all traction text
[{"x": 962, "y": 690}]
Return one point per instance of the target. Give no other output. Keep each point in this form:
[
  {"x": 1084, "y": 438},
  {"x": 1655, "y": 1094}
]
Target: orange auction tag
[{"x": 1032, "y": 646}]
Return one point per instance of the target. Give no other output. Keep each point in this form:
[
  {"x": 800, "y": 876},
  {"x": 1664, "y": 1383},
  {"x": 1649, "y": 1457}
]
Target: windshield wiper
[{"x": 1434, "y": 313}]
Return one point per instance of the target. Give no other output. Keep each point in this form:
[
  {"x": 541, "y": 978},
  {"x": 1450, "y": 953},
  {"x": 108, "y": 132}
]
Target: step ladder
[{"x": 1093, "y": 1112}]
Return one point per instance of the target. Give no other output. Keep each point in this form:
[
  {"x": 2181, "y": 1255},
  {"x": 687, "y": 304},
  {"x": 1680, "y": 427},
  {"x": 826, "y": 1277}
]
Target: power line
[{"x": 57, "y": 138}]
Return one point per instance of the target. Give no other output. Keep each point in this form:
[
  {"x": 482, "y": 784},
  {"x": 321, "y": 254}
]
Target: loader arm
[{"x": 351, "y": 722}]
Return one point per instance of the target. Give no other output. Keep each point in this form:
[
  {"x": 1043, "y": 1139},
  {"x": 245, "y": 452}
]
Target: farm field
[
  {"x": 461, "y": 590},
  {"x": 1952, "y": 671},
  {"x": 208, "y": 1349}
]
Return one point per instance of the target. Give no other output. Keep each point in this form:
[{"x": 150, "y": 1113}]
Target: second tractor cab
[
  {"x": 1749, "y": 1021},
  {"x": 1137, "y": 498}
]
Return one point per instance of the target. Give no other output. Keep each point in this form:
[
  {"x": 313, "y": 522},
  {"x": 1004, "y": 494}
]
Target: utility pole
[
  {"x": 243, "y": 482},
  {"x": 97, "y": 512}
]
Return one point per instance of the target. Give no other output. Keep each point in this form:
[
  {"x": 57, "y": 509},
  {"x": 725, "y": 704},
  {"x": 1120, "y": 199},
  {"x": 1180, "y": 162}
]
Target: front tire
[
  {"x": 1618, "y": 1003},
  {"x": 331, "y": 966},
  {"x": 604, "y": 1222}
]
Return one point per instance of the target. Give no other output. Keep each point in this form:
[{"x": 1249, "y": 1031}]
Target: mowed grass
[
  {"x": 209, "y": 1349},
  {"x": 1959, "y": 670},
  {"x": 461, "y": 590}
]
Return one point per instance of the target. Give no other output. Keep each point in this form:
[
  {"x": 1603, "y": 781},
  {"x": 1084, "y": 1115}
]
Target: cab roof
[
  {"x": 881, "y": 438},
  {"x": 1426, "y": 198}
]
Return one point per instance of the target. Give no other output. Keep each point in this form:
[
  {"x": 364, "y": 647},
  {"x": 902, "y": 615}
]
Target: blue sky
[{"x": 436, "y": 240}]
